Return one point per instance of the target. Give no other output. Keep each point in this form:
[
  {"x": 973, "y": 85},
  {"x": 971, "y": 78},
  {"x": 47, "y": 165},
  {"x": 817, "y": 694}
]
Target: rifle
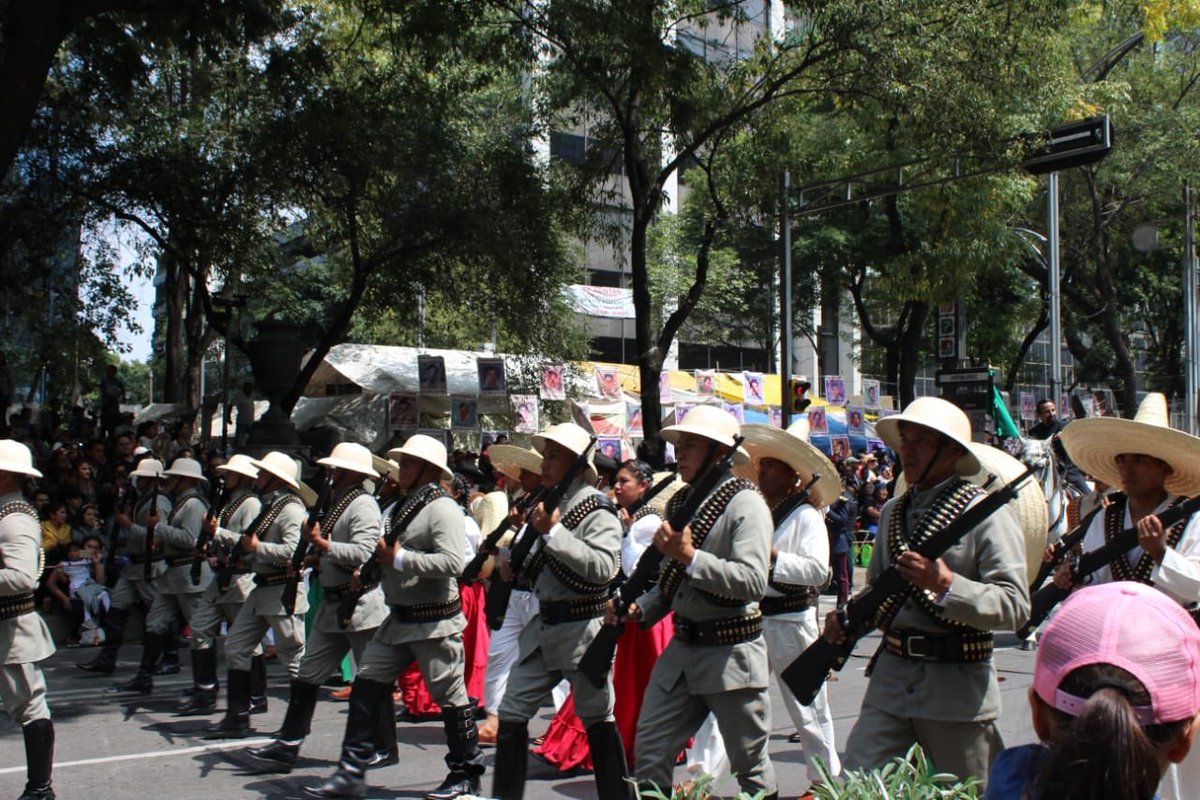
[
  {"x": 226, "y": 564},
  {"x": 148, "y": 567},
  {"x": 806, "y": 674},
  {"x": 204, "y": 540},
  {"x": 1062, "y": 548},
  {"x": 499, "y": 591},
  {"x": 598, "y": 658},
  {"x": 489, "y": 545},
  {"x": 1046, "y": 598},
  {"x": 295, "y": 568},
  {"x": 370, "y": 572}
]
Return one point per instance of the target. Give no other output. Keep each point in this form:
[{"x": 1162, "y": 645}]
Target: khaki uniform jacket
[
  {"x": 593, "y": 552},
  {"x": 989, "y": 592},
  {"x": 275, "y": 548},
  {"x": 351, "y": 542},
  {"x": 176, "y": 538},
  {"x": 24, "y": 639},
  {"x": 227, "y": 537},
  {"x": 135, "y": 536},
  {"x": 733, "y": 563},
  {"x": 434, "y": 545}
]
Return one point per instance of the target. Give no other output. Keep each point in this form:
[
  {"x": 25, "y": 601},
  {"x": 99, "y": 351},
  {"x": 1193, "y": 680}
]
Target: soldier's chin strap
[{"x": 942, "y": 440}]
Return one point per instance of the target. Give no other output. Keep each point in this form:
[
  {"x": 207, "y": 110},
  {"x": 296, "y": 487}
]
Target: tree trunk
[
  {"x": 649, "y": 356},
  {"x": 173, "y": 390},
  {"x": 910, "y": 350}
]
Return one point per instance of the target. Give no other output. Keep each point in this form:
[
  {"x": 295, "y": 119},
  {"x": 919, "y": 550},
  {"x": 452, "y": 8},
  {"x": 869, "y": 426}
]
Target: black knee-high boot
[
  {"x": 608, "y": 761},
  {"x": 358, "y": 744},
  {"x": 464, "y": 758},
  {"x": 236, "y": 723},
  {"x": 387, "y": 752},
  {"x": 39, "y": 760},
  {"x": 512, "y": 760},
  {"x": 282, "y": 753},
  {"x": 258, "y": 685},
  {"x": 143, "y": 681},
  {"x": 203, "y": 699},
  {"x": 114, "y": 633},
  {"x": 170, "y": 654}
]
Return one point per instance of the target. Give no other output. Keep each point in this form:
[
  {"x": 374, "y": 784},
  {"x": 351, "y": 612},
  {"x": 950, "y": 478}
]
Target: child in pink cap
[{"x": 1115, "y": 698}]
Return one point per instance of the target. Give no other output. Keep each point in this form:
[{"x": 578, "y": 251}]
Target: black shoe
[
  {"x": 259, "y": 705},
  {"x": 384, "y": 758},
  {"x": 140, "y": 683},
  {"x": 102, "y": 664},
  {"x": 456, "y": 783},
  {"x": 37, "y": 793},
  {"x": 202, "y": 703},
  {"x": 235, "y": 727},
  {"x": 167, "y": 668},
  {"x": 342, "y": 784},
  {"x": 279, "y": 755}
]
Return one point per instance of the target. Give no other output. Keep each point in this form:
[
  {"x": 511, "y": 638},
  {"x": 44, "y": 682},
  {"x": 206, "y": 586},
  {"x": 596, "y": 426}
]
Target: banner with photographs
[
  {"x": 633, "y": 418},
  {"x": 525, "y": 413},
  {"x": 681, "y": 410},
  {"x": 855, "y": 423},
  {"x": 839, "y": 448},
  {"x": 664, "y": 386},
  {"x": 608, "y": 382},
  {"x": 817, "y": 421},
  {"x": 736, "y": 409},
  {"x": 464, "y": 413},
  {"x": 753, "y": 393},
  {"x": 776, "y": 415},
  {"x": 491, "y": 375},
  {"x": 402, "y": 411},
  {"x": 609, "y": 446},
  {"x": 431, "y": 374},
  {"x": 706, "y": 382},
  {"x": 1028, "y": 407},
  {"x": 553, "y": 387},
  {"x": 835, "y": 390},
  {"x": 871, "y": 395}
]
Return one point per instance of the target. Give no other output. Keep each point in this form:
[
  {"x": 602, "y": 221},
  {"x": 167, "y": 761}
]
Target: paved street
[{"x": 115, "y": 746}]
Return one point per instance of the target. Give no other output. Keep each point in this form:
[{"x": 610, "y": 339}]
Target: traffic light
[{"x": 798, "y": 391}]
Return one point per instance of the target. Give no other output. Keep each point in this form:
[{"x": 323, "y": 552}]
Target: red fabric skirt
[
  {"x": 565, "y": 744},
  {"x": 476, "y": 636}
]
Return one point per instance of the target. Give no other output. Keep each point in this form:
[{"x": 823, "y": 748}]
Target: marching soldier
[
  {"x": 420, "y": 584},
  {"x": 577, "y": 558},
  {"x": 714, "y": 574},
  {"x": 223, "y": 602},
  {"x": 353, "y": 526},
  {"x": 24, "y": 638},
  {"x": 269, "y": 541},
  {"x": 132, "y": 588}
]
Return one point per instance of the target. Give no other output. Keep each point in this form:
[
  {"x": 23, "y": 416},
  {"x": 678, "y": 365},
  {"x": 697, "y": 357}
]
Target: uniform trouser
[
  {"x": 961, "y": 748},
  {"x": 440, "y": 661},
  {"x": 169, "y": 607},
  {"x": 129, "y": 593},
  {"x": 787, "y": 637},
  {"x": 248, "y": 630},
  {"x": 206, "y": 622},
  {"x": 323, "y": 652},
  {"x": 23, "y": 692},
  {"x": 531, "y": 682},
  {"x": 669, "y": 716},
  {"x": 505, "y": 646}
]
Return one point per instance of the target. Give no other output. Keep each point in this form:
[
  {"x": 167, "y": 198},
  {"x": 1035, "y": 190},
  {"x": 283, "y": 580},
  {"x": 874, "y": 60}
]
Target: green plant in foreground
[{"x": 908, "y": 778}]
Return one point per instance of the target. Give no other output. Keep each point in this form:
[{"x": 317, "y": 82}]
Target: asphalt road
[{"x": 113, "y": 746}]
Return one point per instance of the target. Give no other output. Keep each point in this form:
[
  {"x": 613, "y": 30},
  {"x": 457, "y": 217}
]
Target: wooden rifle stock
[
  {"x": 296, "y": 564},
  {"x": 204, "y": 540},
  {"x": 471, "y": 572},
  {"x": 807, "y": 673},
  {"x": 495, "y": 604},
  {"x": 598, "y": 658},
  {"x": 1045, "y": 599}
]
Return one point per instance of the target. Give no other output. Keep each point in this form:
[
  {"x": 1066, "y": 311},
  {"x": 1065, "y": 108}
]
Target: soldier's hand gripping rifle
[
  {"x": 597, "y": 659},
  {"x": 370, "y": 572},
  {"x": 499, "y": 591},
  {"x": 148, "y": 567},
  {"x": 295, "y": 567},
  {"x": 228, "y": 563},
  {"x": 1062, "y": 548},
  {"x": 473, "y": 568},
  {"x": 1045, "y": 599},
  {"x": 204, "y": 540},
  {"x": 805, "y": 675}
]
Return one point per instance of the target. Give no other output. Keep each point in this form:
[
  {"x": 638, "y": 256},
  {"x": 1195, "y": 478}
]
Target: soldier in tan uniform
[
  {"x": 577, "y": 557},
  {"x": 270, "y": 541},
  {"x": 353, "y": 527},
  {"x": 24, "y": 637},
  {"x": 714, "y": 573},
  {"x": 420, "y": 584},
  {"x": 175, "y": 544}
]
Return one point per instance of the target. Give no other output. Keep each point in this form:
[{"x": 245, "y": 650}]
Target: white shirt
[{"x": 1178, "y": 576}]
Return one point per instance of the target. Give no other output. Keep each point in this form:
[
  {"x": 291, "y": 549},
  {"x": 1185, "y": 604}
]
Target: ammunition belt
[
  {"x": 16, "y": 605},
  {"x": 278, "y": 579},
  {"x": 711, "y": 632},
  {"x": 770, "y": 606},
  {"x": 967, "y": 647},
  {"x": 334, "y": 593},
  {"x": 428, "y": 612},
  {"x": 557, "y": 612}
]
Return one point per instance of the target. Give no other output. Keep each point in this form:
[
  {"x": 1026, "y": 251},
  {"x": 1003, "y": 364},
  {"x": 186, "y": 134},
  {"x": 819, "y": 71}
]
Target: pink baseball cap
[{"x": 1131, "y": 626}]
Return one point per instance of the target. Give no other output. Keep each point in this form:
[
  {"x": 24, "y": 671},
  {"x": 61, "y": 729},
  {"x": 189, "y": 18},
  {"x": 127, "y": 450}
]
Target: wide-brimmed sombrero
[
  {"x": 660, "y": 500},
  {"x": 792, "y": 448},
  {"x": 510, "y": 460},
  {"x": 1094, "y": 444}
]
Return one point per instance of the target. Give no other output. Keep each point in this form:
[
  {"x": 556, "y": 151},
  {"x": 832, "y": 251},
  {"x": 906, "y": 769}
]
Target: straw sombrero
[
  {"x": 489, "y": 511},
  {"x": 510, "y": 460},
  {"x": 385, "y": 467},
  {"x": 660, "y": 500},
  {"x": 1029, "y": 506},
  {"x": 1094, "y": 444},
  {"x": 792, "y": 448}
]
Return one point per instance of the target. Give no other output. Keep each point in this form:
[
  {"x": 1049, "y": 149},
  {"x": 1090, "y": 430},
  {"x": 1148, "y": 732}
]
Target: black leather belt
[
  {"x": 710, "y": 632},
  {"x": 428, "y": 612},
  {"x": 785, "y": 604},
  {"x": 957, "y": 648},
  {"x": 16, "y": 605},
  {"x": 278, "y": 579},
  {"x": 178, "y": 561},
  {"x": 337, "y": 592},
  {"x": 557, "y": 612}
]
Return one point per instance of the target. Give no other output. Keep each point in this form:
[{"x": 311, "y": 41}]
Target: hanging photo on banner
[
  {"x": 839, "y": 448},
  {"x": 402, "y": 411},
  {"x": 489, "y": 438},
  {"x": 431, "y": 374},
  {"x": 438, "y": 434},
  {"x": 753, "y": 393},
  {"x": 491, "y": 375},
  {"x": 737, "y": 410},
  {"x": 776, "y": 414},
  {"x": 552, "y": 382},
  {"x": 608, "y": 382},
  {"x": 854, "y": 420},
  {"x": 871, "y": 395},
  {"x": 609, "y": 446},
  {"x": 817, "y": 421},
  {"x": 706, "y": 382},
  {"x": 633, "y": 418},
  {"x": 681, "y": 410},
  {"x": 464, "y": 413},
  {"x": 664, "y": 386},
  {"x": 1028, "y": 407},
  {"x": 525, "y": 413},
  {"x": 1064, "y": 408},
  {"x": 835, "y": 390}
]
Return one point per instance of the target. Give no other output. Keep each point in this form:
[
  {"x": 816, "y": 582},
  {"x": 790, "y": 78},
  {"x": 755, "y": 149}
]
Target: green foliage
[{"x": 908, "y": 778}]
